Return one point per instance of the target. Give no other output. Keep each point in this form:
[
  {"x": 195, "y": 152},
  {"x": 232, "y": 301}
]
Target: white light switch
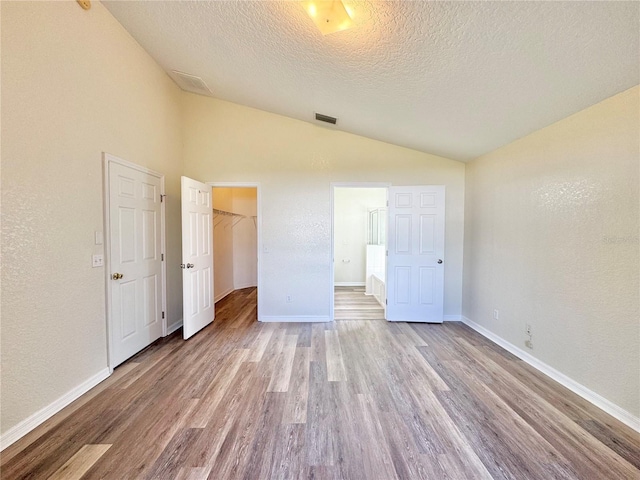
[
  {"x": 97, "y": 261},
  {"x": 98, "y": 237}
]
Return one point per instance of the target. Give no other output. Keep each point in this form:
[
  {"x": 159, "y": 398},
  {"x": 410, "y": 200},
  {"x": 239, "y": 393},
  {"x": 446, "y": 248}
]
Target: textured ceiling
[{"x": 456, "y": 79}]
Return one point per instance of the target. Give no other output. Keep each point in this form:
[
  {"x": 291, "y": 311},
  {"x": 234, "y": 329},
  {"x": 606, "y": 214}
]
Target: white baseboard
[
  {"x": 220, "y": 296},
  {"x": 173, "y": 327},
  {"x": 598, "y": 400},
  {"x": 18, "y": 431},
  {"x": 246, "y": 285},
  {"x": 294, "y": 318},
  {"x": 349, "y": 284},
  {"x": 452, "y": 318}
]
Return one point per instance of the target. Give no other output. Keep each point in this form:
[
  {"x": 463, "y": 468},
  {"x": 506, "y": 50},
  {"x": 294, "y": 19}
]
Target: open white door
[
  {"x": 197, "y": 256},
  {"x": 415, "y": 268}
]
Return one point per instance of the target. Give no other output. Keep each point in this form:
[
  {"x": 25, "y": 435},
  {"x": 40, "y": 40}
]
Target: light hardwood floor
[
  {"x": 352, "y": 304},
  {"x": 352, "y": 399}
]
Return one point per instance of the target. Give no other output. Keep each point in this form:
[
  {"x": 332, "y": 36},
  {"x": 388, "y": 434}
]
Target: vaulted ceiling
[{"x": 456, "y": 79}]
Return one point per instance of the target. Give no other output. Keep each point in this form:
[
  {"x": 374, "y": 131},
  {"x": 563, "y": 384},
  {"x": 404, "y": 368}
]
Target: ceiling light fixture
[{"x": 330, "y": 16}]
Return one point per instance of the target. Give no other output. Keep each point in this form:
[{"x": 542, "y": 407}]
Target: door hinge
[
  {"x": 387, "y": 203},
  {"x": 162, "y": 257},
  {"x": 162, "y": 314},
  {"x": 386, "y": 302},
  {"x": 162, "y": 198},
  {"x": 387, "y": 252}
]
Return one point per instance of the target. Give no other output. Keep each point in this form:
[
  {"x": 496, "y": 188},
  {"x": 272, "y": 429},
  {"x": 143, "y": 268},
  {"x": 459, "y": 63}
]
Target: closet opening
[
  {"x": 235, "y": 241},
  {"x": 359, "y": 252}
]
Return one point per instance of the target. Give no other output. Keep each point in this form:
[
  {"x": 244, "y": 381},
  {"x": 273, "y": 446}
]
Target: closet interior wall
[{"x": 234, "y": 239}]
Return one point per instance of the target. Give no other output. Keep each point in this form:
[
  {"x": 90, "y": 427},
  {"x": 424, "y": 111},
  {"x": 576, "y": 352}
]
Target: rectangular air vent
[
  {"x": 190, "y": 83},
  {"x": 326, "y": 118}
]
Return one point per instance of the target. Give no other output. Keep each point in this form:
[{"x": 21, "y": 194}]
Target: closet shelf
[{"x": 236, "y": 218}]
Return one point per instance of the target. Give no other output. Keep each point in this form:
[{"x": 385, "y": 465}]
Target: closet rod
[{"x": 228, "y": 214}]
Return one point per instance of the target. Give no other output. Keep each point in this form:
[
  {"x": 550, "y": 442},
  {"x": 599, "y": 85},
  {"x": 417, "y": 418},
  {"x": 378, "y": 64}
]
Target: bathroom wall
[{"x": 351, "y": 208}]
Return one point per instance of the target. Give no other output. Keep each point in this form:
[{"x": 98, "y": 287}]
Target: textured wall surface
[
  {"x": 295, "y": 163},
  {"x": 452, "y": 78},
  {"x": 74, "y": 84},
  {"x": 552, "y": 240},
  {"x": 351, "y": 225}
]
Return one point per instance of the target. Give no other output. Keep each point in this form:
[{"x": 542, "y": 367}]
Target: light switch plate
[
  {"x": 99, "y": 239},
  {"x": 97, "y": 261}
]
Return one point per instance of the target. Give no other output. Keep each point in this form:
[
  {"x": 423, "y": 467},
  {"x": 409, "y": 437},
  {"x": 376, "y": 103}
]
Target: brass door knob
[{"x": 116, "y": 276}]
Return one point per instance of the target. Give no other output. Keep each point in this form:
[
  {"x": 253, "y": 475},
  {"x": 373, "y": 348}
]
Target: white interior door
[
  {"x": 135, "y": 260},
  {"x": 415, "y": 262},
  {"x": 197, "y": 256}
]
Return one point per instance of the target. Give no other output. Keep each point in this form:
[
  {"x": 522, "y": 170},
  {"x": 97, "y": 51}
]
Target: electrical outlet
[
  {"x": 496, "y": 314},
  {"x": 97, "y": 261},
  {"x": 288, "y": 298},
  {"x": 528, "y": 329}
]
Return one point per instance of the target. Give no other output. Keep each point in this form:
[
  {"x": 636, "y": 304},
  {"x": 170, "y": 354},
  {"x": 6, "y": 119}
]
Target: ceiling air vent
[
  {"x": 190, "y": 83},
  {"x": 326, "y": 118}
]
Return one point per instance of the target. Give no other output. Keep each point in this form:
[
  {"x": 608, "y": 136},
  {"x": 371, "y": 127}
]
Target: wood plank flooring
[
  {"x": 352, "y": 399},
  {"x": 352, "y": 304}
]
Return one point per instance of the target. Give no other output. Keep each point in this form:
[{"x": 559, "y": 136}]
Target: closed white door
[
  {"x": 415, "y": 262},
  {"x": 197, "y": 256},
  {"x": 135, "y": 260}
]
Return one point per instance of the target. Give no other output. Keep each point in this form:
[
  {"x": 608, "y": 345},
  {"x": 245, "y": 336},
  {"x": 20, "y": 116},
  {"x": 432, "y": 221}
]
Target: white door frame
[
  {"x": 108, "y": 159},
  {"x": 335, "y": 185},
  {"x": 255, "y": 185}
]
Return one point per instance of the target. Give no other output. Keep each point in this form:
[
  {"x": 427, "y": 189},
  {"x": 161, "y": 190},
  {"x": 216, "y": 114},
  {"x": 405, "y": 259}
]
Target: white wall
[
  {"x": 295, "y": 163},
  {"x": 552, "y": 240},
  {"x": 222, "y": 243},
  {"x": 74, "y": 84},
  {"x": 245, "y": 238},
  {"x": 351, "y": 224}
]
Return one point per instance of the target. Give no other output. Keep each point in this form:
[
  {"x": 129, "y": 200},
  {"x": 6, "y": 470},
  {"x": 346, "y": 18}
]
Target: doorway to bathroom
[{"x": 359, "y": 239}]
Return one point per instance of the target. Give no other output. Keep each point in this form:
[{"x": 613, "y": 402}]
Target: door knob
[
  {"x": 116, "y": 276},
  {"x": 190, "y": 265},
  {"x": 439, "y": 260},
  {"x": 183, "y": 266}
]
